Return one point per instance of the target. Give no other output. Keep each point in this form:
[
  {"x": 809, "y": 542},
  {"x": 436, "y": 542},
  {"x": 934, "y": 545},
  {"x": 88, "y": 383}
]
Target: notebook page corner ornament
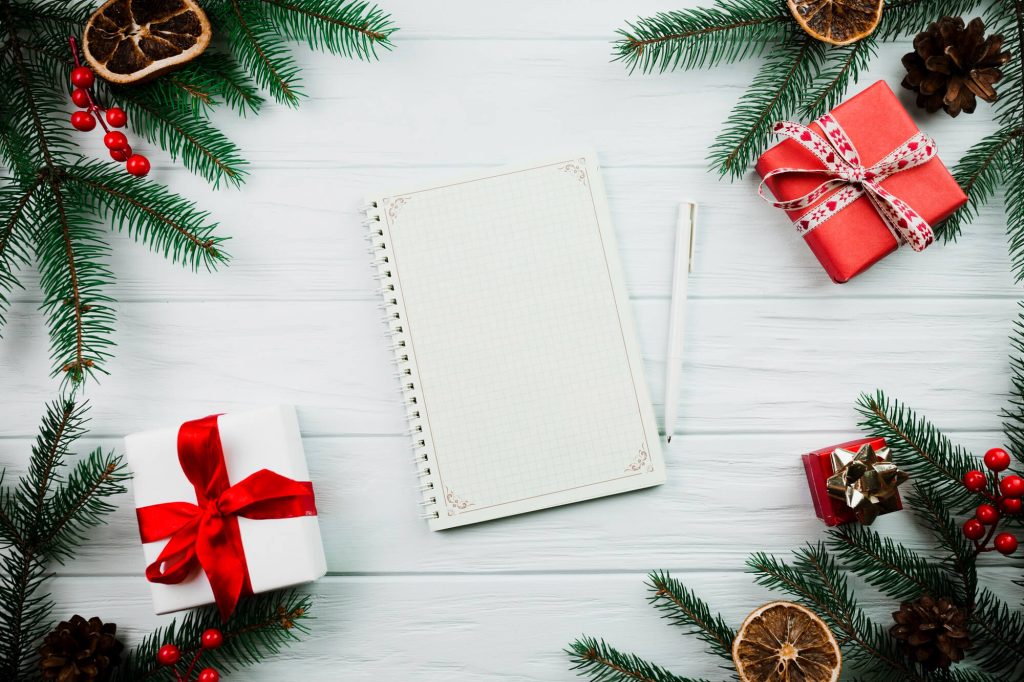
[
  {"x": 642, "y": 461},
  {"x": 577, "y": 169},
  {"x": 393, "y": 205},
  {"x": 454, "y": 503}
]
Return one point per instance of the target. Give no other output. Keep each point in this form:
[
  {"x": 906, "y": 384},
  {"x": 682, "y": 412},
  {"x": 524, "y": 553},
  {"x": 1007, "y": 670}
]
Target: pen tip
[{"x": 669, "y": 439}]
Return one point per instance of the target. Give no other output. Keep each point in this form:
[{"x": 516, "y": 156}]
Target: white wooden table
[{"x": 775, "y": 358}]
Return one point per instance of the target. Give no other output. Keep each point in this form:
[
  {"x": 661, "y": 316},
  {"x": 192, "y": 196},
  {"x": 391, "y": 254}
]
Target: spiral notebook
[{"x": 512, "y": 332}]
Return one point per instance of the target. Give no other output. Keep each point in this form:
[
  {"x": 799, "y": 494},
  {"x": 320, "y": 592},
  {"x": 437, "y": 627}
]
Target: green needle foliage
[
  {"x": 801, "y": 77},
  {"x": 821, "y": 575},
  {"x": 44, "y": 518},
  {"x": 56, "y": 205},
  {"x": 994, "y": 163},
  {"x": 261, "y": 626}
]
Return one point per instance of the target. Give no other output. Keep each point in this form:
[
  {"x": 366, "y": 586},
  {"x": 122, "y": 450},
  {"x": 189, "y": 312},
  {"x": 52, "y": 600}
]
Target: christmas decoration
[
  {"x": 801, "y": 77},
  {"x": 43, "y": 519},
  {"x": 931, "y": 632},
  {"x": 116, "y": 142},
  {"x": 1003, "y": 492},
  {"x": 784, "y": 642},
  {"x": 836, "y": 478},
  {"x": 837, "y": 23},
  {"x": 55, "y": 204},
  {"x": 132, "y": 41},
  {"x": 944, "y": 612},
  {"x": 80, "y": 650},
  {"x": 194, "y": 482},
  {"x": 169, "y": 655},
  {"x": 859, "y": 181},
  {"x": 262, "y": 626},
  {"x": 952, "y": 66}
]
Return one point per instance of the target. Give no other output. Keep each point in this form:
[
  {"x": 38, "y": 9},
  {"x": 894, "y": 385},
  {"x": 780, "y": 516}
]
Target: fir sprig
[
  {"x": 800, "y": 77},
  {"x": 682, "y": 607},
  {"x": 261, "y": 626},
  {"x": 56, "y": 206},
  {"x": 44, "y": 518},
  {"x": 601, "y": 662}
]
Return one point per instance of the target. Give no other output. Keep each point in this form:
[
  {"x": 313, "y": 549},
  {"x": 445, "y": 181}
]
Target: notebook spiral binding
[{"x": 392, "y": 309}]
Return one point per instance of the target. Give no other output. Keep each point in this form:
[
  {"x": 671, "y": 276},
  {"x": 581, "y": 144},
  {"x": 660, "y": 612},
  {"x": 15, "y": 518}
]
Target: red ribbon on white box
[{"x": 853, "y": 181}]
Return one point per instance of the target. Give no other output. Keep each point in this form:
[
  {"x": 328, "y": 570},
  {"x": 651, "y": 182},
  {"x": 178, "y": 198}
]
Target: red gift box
[
  {"x": 818, "y": 466},
  {"x": 856, "y": 238}
]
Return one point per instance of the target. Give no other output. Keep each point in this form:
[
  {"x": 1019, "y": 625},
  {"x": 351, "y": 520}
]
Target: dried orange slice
[
  {"x": 130, "y": 41},
  {"x": 839, "y": 22},
  {"x": 784, "y": 642}
]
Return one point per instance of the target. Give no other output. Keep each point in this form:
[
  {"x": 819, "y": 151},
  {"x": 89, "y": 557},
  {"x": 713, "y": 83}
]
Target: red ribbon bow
[
  {"x": 842, "y": 167},
  {"x": 207, "y": 534}
]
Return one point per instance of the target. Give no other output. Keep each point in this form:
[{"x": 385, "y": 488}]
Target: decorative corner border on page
[
  {"x": 577, "y": 169},
  {"x": 394, "y": 205},
  {"x": 455, "y": 503},
  {"x": 641, "y": 462}
]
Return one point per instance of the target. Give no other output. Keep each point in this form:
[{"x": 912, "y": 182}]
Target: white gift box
[{"x": 279, "y": 552}]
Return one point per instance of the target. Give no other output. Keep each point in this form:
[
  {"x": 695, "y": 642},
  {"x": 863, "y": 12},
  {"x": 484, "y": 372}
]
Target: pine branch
[
  {"x": 13, "y": 202},
  {"x": 895, "y": 570},
  {"x": 352, "y": 29},
  {"x": 684, "y": 608},
  {"x": 842, "y": 66},
  {"x": 166, "y": 222},
  {"x": 698, "y": 38},
  {"x": 208, "y": 81},
  {"x": 775, "y": 94},
  {"x": 997, "y": 634},
  {"x": 1013, "y": 181},
  {"x": 920, "y": 448},
  {"x": 258, "y": 46},
  {"x": 817, "y": 583},
  {"x": 262, "y": 626},
  {"x": 600, "y": 662},
  {"x": 201, "y": 147},
  {"x": 908, "y": 17},
  {"x": 928, "y": 505},
  {"x": 980, "y": 173},
  {"x": 1013, "y": 424},
  {"x": 49, "y": 513}
]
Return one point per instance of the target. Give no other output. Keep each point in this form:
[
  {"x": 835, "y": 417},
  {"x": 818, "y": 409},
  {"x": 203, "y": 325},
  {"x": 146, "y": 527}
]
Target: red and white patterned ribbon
[{"x": 849, "y": 180}]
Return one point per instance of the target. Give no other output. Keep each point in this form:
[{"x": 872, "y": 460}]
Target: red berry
[
  {"x": 115, "y": 140},
  {"x": 1010, "y": 505},
  {"x": 1012, "y": 486},
  {"x": 212, "y": 638},
  {"x": 975, "y": 480},
  {"x": 82, "y": 77},
  {"x": 168, "y": 655},
  {"x": 117, "y": 118},
  {"x": 83, "y": 120},
  {"x": 80, "y": 97},
  {"x": 973, "y": 530},
  {"x": 997, "y": 459},
  {"x": 208, "y": 675},
  {"x": 987, "y": 514},
  {"x": 121, "y": 154},
  {"x": 1005, "y": 544},
  {"x": 137, "y": 165}
]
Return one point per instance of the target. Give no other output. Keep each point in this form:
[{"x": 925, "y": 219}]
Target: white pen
[{"x": 686, "y": 236}]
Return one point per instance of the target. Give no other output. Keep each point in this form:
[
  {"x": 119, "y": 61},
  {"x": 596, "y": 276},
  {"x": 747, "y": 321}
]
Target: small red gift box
[
  {"x": 857, "y": 237},
  {"x": 818, "y": 466}
]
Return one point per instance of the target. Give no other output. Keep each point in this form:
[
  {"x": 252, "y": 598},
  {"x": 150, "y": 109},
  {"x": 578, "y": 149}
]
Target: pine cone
[
  {"x": 931, "y": 632},
  {"x": 951, "y": 66},
  {"x": 80, "y": 650}
]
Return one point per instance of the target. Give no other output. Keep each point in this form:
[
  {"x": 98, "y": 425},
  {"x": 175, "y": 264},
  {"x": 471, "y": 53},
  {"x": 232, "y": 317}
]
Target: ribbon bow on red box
[
  {"x": 207, "y": 534},
  {"x": 883, "y": 182},
  {"x": 842, "y": 167}
]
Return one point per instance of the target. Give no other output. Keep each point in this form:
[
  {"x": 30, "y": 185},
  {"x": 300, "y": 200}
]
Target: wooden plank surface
[{"x": 776, "y": 354}]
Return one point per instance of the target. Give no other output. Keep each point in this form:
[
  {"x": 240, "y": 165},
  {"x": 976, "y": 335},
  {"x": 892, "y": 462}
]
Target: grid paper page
[{"x": 525, "y": 358}]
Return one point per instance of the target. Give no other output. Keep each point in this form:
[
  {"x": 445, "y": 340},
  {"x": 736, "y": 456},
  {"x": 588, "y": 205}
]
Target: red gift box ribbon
[
  {"x": 852, "y": 180},
  {"x": 207, "y": 534}
]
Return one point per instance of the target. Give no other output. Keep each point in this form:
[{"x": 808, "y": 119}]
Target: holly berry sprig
[
  {"x": 1004, "y": 493},
  {"x": 170, "y": 655},
  {"x": 83, "y": 78}
]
